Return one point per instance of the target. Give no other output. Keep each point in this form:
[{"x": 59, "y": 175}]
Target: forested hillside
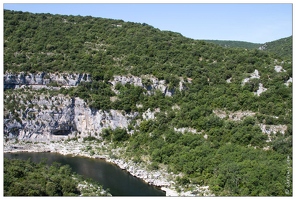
[
  {"x": 235, "y": 44},
  {"x": 281, "y": 47},
  {"x": 227, "y": 122}
]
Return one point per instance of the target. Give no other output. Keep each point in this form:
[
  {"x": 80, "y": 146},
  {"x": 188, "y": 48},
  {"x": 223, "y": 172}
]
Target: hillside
[
  {"x": 281, "y": 47},
  {"x": 235, "y": 44},
  {"x": 205, "y": 114}
]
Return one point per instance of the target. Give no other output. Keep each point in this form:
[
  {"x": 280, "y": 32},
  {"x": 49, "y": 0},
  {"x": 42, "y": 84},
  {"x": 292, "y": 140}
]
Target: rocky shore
[{"x": 99, "y": 150}]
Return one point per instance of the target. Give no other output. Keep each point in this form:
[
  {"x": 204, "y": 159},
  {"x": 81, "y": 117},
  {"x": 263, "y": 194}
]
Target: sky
[{"x": 250, "y": 22}]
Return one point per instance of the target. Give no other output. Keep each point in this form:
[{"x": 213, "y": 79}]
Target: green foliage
[
  {"x": 96, "y": 93},
  {"x": 129, "y": 96},
  {"x": 106, "y": 134},
  {"x": 230, "y": 159},
  {"x": 235, "y": 44},
  {"x": 25, "y": 178},
  {"x": 99, "y": 47},
  {"x": 281, "y": 47},
  {"x": 224, "y": 160},
  {"x": 182, "y": 181},
  {"x": 120, "y": 135},
  {"x": 116, "y": 135},
  {"x": 90, "y": 138},
  {"x": 153, "y": 166}
]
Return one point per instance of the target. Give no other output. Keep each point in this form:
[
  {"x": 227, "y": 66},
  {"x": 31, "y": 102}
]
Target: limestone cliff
[
  {"x": 45, "y": 118},
  {"x": 12, "y": 80},
  {"x": 152, "y": 83},
  {"x": 49, "y": 80}
]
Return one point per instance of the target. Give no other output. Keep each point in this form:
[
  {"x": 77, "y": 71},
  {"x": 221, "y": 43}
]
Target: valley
[{"x": 189, "y": 116}]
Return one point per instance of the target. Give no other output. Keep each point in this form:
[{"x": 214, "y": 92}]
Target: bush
[
  {"x": 154, "y": 166},
  {"x": 120, "y": 135},
  {"x": 34, "y": 179},
  {"x": 183, "y": 181}
]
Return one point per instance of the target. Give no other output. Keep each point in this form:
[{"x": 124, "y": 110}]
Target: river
[{"x": 118, "y": 181}]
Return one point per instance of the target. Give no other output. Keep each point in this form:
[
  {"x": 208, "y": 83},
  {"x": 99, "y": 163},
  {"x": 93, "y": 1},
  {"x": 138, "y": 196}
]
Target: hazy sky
[{"x": 258, "y": 23}]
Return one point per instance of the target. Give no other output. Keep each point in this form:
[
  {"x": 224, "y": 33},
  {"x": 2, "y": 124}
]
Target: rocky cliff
[
  {"x": 57, "y": 80},
  {"x": 45, "y": 117},
  {"x": 12, "y": 80},
  {"x": 149, "y": 82}
]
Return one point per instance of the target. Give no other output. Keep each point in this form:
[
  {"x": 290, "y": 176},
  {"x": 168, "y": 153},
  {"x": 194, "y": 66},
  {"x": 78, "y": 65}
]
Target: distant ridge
[
  {"x": 235, "y": 44},
  {"x": 281, "y": 47}
]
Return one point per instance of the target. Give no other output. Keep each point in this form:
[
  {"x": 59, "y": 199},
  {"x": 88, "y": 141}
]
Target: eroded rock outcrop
[
  {"x": 13, "y": 80},
  {"x": 57, "y": 80},
  {"x": 288, "y": 82},
  {"x": 52, "y": 118},
  {"x": 186, "y": 129},
  {"x": 279, "y": 68},
  {"x": 149, "y": 82},
  {"x": 241, "y": 115},
  {"x": 233, "y": 116},
  {"x": 272, "y": 129},
  {"x": 255, "y": 74},
  {"x": 148, "y": 114},
  {"x": 90, "y": 122},
  {"x": 260, "y": 90}
]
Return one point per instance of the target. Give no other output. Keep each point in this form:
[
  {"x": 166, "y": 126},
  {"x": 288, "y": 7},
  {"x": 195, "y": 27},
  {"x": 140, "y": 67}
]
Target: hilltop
[
  {"x": 235, "y": 44},
  {"x": 212, "y": 117},
  {"x": 281, "y": 47}
]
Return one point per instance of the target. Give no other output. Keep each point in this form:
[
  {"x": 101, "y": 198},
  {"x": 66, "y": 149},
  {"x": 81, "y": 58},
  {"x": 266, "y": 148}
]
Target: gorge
[{"x": 188, "y": 116}]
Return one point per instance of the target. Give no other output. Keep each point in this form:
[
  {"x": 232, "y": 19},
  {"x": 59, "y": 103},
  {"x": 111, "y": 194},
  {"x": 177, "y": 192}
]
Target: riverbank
[{"x": 100, "y": 150}]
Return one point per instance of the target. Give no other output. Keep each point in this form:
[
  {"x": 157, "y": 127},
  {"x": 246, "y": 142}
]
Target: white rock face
[
  {"x": 234, "y": 116},
  {"x": 40, "y": 120},
  {"x": 154, "y": 83},
  {"x": 12, "y": 80},
  {"x": 272, "y": 129},
  {"x": 260, "y": 90},
  {"x": 268, "y": 129},
  {"x": 148, "y": 114},
  {"x": 53, "y": 118},
  {"x": 185, "y": 129},
  {"x": 41, "y": 80},
  {"x": 289, "y": 81},
  {"x": 255, "y": 74},
  {"x": 59, "y": 117},
  {"x": 278, "y": 68},
  {"x": 90, "y": 122},
  {"x": 127, "y": 79}
]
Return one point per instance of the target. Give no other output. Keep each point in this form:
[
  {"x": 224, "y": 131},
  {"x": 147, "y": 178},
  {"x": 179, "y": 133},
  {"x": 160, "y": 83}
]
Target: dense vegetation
[
  {"x": 281, "y": 47},
  {"x": 224, "y": 160},
  {"x": 232, "y": 159},
  {"x": 235, "y": 44},
  {"x": 26, "y": 178}
]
